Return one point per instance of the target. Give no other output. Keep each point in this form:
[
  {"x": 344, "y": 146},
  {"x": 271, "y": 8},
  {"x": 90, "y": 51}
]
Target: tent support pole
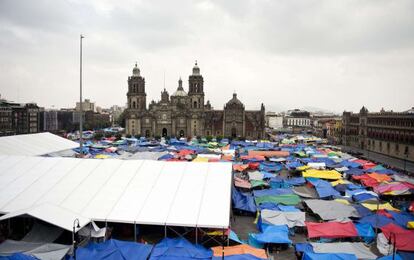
[
  {"x": 222, "y": 244},
  {"x": 135, "y": 232},
  {"x": 106, "y": 227},
  {"x": 165, "y": 231},
  {"x": 196, "y": 235},
  {"x": 8, "y": 227}
]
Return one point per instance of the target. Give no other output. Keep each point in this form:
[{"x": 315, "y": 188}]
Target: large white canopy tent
[
  {"x": 34, "y": 144},
  {"x": 135, "y": 191}
]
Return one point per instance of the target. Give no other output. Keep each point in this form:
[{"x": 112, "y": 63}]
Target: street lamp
[
  {"x": 75, "y": 226},
  {"x": 80, "y": 104}
]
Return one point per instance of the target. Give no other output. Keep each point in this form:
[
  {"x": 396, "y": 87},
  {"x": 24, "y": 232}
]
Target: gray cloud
[{"x": 335, "y": 55}]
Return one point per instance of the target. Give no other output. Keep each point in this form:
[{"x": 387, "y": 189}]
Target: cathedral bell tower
[
  {"x": 196, "y": 89},
  {"x": 137, "y": 98}
]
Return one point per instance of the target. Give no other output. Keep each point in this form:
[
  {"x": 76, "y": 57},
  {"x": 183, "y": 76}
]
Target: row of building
[
  {"x": 385, "y": 132},
  {"x": 26, "y": 118}
]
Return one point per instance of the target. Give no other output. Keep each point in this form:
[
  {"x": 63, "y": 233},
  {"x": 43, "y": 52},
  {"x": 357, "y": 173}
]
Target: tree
[{"x": 121, "y": 121}]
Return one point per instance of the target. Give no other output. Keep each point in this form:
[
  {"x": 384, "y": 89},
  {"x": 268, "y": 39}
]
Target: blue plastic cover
[
  {"x": 323, "y": 188},
  {"x": 243, "y": 201},
  {"x": 337, "y": 256},
  {"x": 362, "y": 211},
  {"x": 179, "y": 248},
  {"x": 114, "y": 250},
  {"x": 297, "y": 181},
  {"x": 401, "y": 218},
  {"x": 350, "y": 164},
  {"x": 277, "y": 234},
  {"x": 365, "y": 231},
  {"x": 303, "y": 247},
  {"x": 376, "y": 220},
  {"x": 18, "y": 256}
]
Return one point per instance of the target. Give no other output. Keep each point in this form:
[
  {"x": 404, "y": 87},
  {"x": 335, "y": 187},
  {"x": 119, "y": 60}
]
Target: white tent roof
[
  {"x": 34, "y": 144},
  {"x": 142, "y": 192}
]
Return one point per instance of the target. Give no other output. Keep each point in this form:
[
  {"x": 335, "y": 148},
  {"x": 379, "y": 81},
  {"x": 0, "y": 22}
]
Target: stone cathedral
[{"x": 186, "y": 114}]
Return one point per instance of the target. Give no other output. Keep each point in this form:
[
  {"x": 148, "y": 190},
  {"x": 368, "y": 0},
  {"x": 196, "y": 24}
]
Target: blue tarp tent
[
  {"x": 323, "y": 188},
  {"x": 179, "y": 248},
  {"x": 243, "y": 201},
  {"x": 376, "y": 220},
  {"x": 365, "y": 231},
  {"x": 401, "y": 218},
  {"x": 273, "y": 235},
  {"x": 316, "y": 256},
  {"x": 18, "y": 256},
  {"x": 114, "y": 250}
]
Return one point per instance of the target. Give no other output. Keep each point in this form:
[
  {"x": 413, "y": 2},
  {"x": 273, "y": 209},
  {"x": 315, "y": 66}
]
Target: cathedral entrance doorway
[
  {"x": 233, "y": 132},
  {"x": 147, "y": 133},
  {"x": 164, "y": 132},
  {"x": 182, "y": 133}
]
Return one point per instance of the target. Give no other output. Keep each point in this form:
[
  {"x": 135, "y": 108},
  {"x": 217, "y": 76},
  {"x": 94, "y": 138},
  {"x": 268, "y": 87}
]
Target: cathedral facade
[{"x": 186, "y": 114}]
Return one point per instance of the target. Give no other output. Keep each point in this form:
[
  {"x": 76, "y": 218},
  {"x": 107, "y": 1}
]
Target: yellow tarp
[
  {"x": 341, "y": 181},
  {"x": 302, "y": 168},
  {"x": 322, "y": 174},
  {"x": 410, "y": 225},
  {"x": 343, "y": 201},
  {"x": 372, "y": 206},
  {"x": 200, "y": 159},
  {"x": 102, "y": 156}
]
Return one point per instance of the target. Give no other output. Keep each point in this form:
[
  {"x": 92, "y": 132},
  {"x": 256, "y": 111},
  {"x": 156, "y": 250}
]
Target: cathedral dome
[
  {"x": 136, "y": 71},
  {"x": 180, "y": 90},
  {"x": 196, "y": 69},
  {"x": 235, "y": 101}
]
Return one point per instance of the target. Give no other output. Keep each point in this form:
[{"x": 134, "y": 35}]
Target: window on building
[
  {"x": 134, "y": 104},
  {"x": 388, "y": 147},
  {"x": 397, "y": 148},
  {"x": 406, "y": 151},
  {"x": 195, "y": 104}
]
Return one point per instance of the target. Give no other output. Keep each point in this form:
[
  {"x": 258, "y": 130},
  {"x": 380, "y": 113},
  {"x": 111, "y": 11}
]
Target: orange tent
[
  {"x": 240, "y": 167},
  {"x": 269, "y": 153},
  {"x": 239, "y": 250},
  {"x": 380, "y": 177}
]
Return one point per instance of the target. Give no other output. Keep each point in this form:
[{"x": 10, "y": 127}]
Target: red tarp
[
  {"x": 404, "y": 238},
  {"x": 254, "y": 166},
  {"x": 366, "y": 180},
  {"x": 331, "y": 229}
]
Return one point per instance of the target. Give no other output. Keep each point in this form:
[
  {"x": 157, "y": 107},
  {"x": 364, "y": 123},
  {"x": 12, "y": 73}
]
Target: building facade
[
  {"x": 186, "y": 114},
  {"x": 274, "y": 120},
  {"x": 389, "y": 133},
  {"x": 87, "y": 105}
]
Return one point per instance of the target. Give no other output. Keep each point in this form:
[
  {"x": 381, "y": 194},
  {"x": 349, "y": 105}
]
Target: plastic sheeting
[
  {"x": 331, "y": 229},
  {"x": 243, "y": 201},
  {"x": 404, "y": 238},
  {"x": 273, "y": 235},
  {"x": 328, "y": 256},
  {"x": 38, "y": 250},
  {"x": 286, "y": 199},
  {"x": 324, "y": 188},
  {"x": 330, "y": 210},
  {"x": 357, "y": 249},
  {"x": 179, "y": 248},
  {"x": 239, "y": 250},
  {"x": 114, "y": 250},
  {"x": 291, "y": 219},
  {"x": 322, "y": 174}
]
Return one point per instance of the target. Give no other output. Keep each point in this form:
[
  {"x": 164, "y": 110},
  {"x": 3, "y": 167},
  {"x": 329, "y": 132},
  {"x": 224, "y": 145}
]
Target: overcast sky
[{"x": 334, "y": 55}]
